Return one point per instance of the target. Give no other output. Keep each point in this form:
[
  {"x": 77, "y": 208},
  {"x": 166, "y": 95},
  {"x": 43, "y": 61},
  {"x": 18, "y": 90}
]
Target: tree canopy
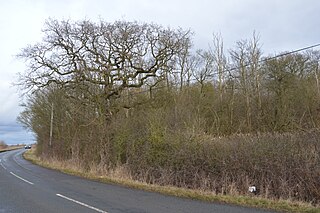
[{"x": 101, "y": 59}]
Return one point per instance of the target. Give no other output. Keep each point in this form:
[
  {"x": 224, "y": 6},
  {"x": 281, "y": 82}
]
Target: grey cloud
[
  {"x": 283, "y": 25},
  {"x": 15, "y": 134}
]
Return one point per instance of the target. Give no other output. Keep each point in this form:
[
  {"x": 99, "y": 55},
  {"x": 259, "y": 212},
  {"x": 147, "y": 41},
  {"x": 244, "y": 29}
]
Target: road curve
[{"x": 28, "y": 188}]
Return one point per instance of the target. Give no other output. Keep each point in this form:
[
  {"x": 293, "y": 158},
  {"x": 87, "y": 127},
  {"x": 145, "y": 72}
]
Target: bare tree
[
  {"x": 100, "y": 60},
  {"x": 314, "y": 57},
  {"x": 3, "y": 145},
  {"x": 254, "y": 56},
  {"x": 240, "y": 60},
  {"x": 185, "y": 64},
  {"x": 204, "y": 67},
  {"x": 220, "y": 63},
  {"x": 246, "y": 57}
]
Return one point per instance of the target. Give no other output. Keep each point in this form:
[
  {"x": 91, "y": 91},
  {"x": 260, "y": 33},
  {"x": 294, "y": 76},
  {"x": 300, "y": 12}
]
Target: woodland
[{"x": 141, "y": 98}]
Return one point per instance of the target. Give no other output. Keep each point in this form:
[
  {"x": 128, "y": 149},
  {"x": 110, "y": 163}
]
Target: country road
[{"x": 28, "y": 188}]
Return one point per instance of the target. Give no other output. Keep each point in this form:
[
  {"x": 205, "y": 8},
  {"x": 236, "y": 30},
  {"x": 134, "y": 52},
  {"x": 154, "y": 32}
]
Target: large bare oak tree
[{"x": 100, "y": 60}]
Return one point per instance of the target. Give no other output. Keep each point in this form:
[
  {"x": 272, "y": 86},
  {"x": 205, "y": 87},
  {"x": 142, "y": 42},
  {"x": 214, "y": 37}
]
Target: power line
[
  {"x": 274, "y": 57},
  {"x": 294, "y": 51},
  {"x": 245, "y": 65}
]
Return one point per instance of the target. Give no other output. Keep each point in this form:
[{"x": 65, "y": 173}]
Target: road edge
[{"x": 244, "y": 201}]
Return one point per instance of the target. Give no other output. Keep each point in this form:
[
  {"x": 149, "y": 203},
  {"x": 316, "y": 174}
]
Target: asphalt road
[{"x": 27, "y": 188}]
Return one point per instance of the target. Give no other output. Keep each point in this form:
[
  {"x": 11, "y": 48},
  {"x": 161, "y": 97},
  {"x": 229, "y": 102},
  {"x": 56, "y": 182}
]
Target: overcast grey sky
[{"x": 283, "y": 25}]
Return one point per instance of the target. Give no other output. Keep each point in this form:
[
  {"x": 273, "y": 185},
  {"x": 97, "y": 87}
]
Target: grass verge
[
  {"x": 9, "y": 148},
  {"x": 256, "y": 202}
]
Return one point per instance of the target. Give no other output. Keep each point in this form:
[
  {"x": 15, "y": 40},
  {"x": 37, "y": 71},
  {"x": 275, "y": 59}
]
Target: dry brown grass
[
  {"x": 121, "y": 176},
  {"x": 9, "y": 148}
]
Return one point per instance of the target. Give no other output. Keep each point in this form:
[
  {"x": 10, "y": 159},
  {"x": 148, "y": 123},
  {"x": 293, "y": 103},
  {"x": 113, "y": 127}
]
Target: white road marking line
[
  {"x": 82, "y": 204},
  {"x": 21, "y": 178},
  {"x": 15, "y": 160},
  {"x": 3, "y": 166},
  {"x": 19, "y": 164}
]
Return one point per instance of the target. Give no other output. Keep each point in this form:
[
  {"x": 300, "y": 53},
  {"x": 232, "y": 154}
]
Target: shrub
[{"x": 3, "y": 145}]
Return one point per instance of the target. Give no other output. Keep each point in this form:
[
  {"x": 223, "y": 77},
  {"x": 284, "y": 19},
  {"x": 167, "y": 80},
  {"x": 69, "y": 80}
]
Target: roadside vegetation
[
  {"x": 5, "y": 147},
  {"x": 117, "y": 177},
  {"x": 138, "y": 102}
]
